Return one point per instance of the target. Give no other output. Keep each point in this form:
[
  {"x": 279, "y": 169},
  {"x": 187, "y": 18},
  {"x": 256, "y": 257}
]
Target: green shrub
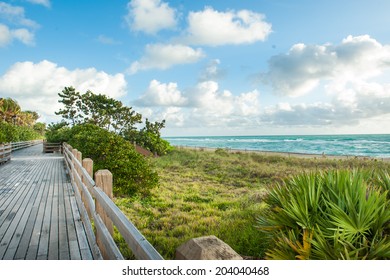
[
  {"x": 14, "y": 133},
  {"x": 58, "y": 133},
  {"x": 132, "y": 173},
  {"x": 333, "y": 215},
  {"x": 8, "y": 133}
]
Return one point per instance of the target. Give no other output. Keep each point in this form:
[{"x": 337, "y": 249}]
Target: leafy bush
[
  {"x": 14, "y": 133},
  {"x": 333, "y": 215},
  {"x": 58, "y": 133},
  {"x": 132, "y": 173},
  {"x": 149, "y": 138},
  {"x": 8, "y": 133}
]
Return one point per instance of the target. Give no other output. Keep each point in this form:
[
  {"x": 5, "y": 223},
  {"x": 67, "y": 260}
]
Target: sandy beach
[{"x": 287, "y": 154}]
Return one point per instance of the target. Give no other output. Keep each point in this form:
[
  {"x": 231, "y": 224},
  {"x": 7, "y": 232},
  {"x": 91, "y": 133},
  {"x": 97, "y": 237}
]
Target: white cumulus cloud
[
  {"x": 160, "y": 94},
  {"x": 35, "y": 85},
  {"x": 213, "y": 28},
  {"x": 304, "y": 67},
  {"x": 161, "y": 56},
  {"x": 204, "y": 105},
  {"x": 150, "y": 16},
  {"x": 23, "y": 35}
]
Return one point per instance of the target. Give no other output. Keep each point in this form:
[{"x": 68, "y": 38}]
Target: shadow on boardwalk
[{"x": 39, "y": 217}]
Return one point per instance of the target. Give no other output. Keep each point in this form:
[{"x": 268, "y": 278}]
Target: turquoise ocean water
[{"x": 377, "y": 145}]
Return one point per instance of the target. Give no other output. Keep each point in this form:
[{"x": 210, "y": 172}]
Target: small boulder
[{"x": 206, "y": 248}]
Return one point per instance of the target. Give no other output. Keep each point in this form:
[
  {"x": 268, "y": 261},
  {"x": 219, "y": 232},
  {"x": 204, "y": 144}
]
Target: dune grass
[{"x": 218, "y": 193}]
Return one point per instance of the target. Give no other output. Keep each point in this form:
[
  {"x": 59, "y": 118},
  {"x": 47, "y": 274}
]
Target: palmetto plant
[
  {"x": 8, "y": 109},
  {"x": 332, "y": 215}
]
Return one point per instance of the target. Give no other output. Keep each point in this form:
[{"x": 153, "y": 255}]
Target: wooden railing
[
  {"x": 5, "y": 152},
  {"x": 24, "y": 144},
  {"x": 6, "y": 149},
  {"x": 51, "y": 147},
  {"x": 95, "y": 201}
]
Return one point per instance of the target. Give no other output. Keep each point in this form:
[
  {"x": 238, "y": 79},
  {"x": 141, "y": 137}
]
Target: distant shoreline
[{"x": 285, "y": 154}]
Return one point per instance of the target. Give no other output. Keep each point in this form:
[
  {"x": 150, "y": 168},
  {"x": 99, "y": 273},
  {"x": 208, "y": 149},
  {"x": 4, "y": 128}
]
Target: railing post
[
  {"x": 88, "y": 166},
  {"x": 74, "y": 170},
  {"x": 103, "y": 180}
]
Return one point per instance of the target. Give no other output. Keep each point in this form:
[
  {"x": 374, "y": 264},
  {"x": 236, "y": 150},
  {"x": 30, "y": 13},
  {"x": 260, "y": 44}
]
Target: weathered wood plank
[
  {"x": 24, "y": 224},
  {"x": 32, "y": 250},
  {"x": 27, "y": 236},
  {"x": 64, "y": 253},
  {"x": 16, "y": 225},
  {"x": 36, "y": 212},
  {"x": 71, "y": 228},
  {"x": 43, "y": 245},
  {"x": 81, "y": 236}
]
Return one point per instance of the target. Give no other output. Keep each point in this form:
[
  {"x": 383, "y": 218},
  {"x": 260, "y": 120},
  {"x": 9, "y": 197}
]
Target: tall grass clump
[{"x": 343, "y": 214}]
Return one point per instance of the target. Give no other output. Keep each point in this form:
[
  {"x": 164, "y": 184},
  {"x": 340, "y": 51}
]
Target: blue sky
[{"x": 207, "y": 67}]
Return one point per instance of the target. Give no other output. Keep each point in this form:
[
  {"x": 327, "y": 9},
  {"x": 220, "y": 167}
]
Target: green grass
[{"x": 218, "y": 193}]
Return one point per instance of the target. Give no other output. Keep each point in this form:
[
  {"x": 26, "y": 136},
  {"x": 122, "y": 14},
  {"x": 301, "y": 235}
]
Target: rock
[{"x": 206, "y": 248}]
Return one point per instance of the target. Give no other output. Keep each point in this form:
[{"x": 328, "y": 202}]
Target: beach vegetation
[
  {"x": 225, "y": 193},
  {"x": 132, "y": 173},
  {"x": 342, "y": 214},
  {"x": 17, "y": 125}
]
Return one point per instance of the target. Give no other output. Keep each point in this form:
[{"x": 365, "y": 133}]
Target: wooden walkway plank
[
  {"x": 10, "y": 230},
  {"x": 44, "y": 242},
  {"x": 64, "y": 253},
  {"x": 29, "y": 230},
  {"x": 39, "y": 216},
  {"x": 32, "y": 250},
  {"x": 53, "y": 235},
  {"x": 23, "y": 222},
  {"x": 12, "y": 190},
  {"x": 74, "y": 248}
]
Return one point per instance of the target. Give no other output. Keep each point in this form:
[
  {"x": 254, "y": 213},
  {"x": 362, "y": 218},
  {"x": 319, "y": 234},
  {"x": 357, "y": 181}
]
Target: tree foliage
[
  {"x": 149, "y": 137},
  {"x": 9, "y": 109},
  {"x": 97, "y": 109},
  {"x": 110, "y": 114},
  {"x": 17, "y": 125}
]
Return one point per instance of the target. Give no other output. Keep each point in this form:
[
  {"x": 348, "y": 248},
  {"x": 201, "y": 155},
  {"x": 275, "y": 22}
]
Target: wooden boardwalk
[{"x": 39, "y": 216}]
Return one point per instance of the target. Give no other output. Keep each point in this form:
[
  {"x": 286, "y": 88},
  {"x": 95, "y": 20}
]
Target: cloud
[
  {"x": 22, "y": 28},
  {"x": 160, "y": 56},
  {"x": 8, "y": 35},
  {"x": 35, "y": 85},
  {"x": 316, "y": 114},
  {"x": 150, "y": 16},
  {"x": 214, "y": 107},
  {"x": 160, "y": 94},
  {"x": 204, "y": 105},
  {"x": 213, "y": 28},
  {"x": 15, "y": 15},
  {"x": 5, "y": 35},
  {"x": 24, "y": 36},
  {"x": 304, "y": 67},
  {"x": 45, "y": 3},
  {"x": 352, "y": 106},
  {"x": 107, "y": 40},
  {"x": 212, "y": 71}
]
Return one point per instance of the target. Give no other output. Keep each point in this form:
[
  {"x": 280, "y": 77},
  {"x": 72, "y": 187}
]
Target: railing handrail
[
  {"x": 90, "y": 196},
  {"x": 5, "y": 152},
  {"x": 7, "y": 148},
  {"x": 24, "y": 144}
]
